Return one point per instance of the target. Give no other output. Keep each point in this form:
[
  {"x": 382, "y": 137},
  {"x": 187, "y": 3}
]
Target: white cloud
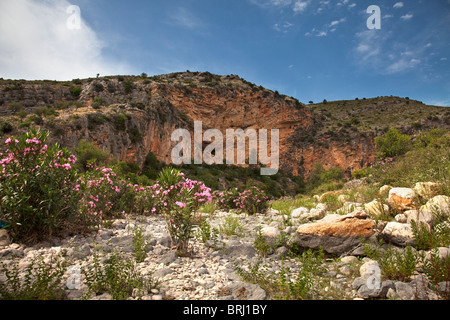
[
  {"x": 336, "y": 22},
  {"x": 36, "y": 43},
  {"x": 283, "y": 27},
  {"x": 300, "y": 6},
  {"x": 398, "y": 5},
  {"x": 282, "y": 3},
  {"x": 184, "y": 18},
  {"x": 352, "y": 5},
  {"x": 407, "y": 16},
  {"x": 269, "y": 3}
]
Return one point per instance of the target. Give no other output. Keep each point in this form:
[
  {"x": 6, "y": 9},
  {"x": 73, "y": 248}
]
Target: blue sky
[{"x": 308, "y": 49}]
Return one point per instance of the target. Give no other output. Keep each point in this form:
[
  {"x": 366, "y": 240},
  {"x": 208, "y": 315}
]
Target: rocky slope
[
  {"x": 251, "y": 252},
  {"x": 132, "y": 116}
]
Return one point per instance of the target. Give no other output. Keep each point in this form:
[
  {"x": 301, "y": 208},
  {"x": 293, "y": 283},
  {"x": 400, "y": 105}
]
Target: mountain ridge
[{"x": 131, "y": 116}]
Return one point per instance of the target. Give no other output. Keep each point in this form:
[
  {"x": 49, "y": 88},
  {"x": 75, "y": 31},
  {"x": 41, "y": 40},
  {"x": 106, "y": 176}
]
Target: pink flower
[
  {"x": 180, "y": 204},
  {"x": 8, "y": 141}
]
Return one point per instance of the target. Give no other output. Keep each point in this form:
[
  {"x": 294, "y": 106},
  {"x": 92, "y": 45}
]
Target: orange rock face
[
  {"x": 156, "y": 107},
  {"x": 335, "y": 234},
  {"x": 344, "y": 226}
]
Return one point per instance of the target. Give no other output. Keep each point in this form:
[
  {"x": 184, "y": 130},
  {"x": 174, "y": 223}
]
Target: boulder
[
  {"x": 296, "y": 213},
  {"x": 401, "y": 218},
  {"x": 427, "y": 190},
  {"x": 419, "y": 216},
  {"x": 270, "y": 232},
  {"x": 402, "y": 199},
  {"x": 376, "y": 209},
  {"x": 336, "y": 234},
  {"x": 437, "y": 205},
  {"x": 318, "y": 212},
  {"x": 384, "y": 190},
  {"x": 399, "y": 234}
]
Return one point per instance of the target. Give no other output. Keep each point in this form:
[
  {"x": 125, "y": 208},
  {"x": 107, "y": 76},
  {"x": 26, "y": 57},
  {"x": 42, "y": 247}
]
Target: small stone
[
  {"x": 161, "y": 273},
  {"x": 349, "y": 260},
  {"x": 4, "y": 238}
]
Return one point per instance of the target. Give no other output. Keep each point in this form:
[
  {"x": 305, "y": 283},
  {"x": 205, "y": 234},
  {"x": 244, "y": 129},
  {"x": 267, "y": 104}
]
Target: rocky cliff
[{"x": 132, "y": 116}]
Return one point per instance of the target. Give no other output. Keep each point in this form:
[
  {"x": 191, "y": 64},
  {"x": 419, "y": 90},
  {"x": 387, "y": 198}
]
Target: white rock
[
  {"x": 438, "y": 204},
  {"x": 400, "y": 218},
  {"x": 369, "y": 267},
  {"x": 406, "y": 193},
  {"x": 398, "y": 233},
  {"x": 419, "y": 216},
  {"x": 270, "y": 232},
  {"x": 296, "y": 213},
  {"x": 426, "y": 190},
  {"x": 375, "y": 208}
]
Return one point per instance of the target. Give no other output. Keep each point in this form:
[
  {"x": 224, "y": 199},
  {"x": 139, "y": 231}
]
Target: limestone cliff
[{"x": 132, "y": 116}]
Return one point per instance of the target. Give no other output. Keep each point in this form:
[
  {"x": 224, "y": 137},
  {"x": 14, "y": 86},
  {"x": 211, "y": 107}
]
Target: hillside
[{"x": 133, "y": 117}]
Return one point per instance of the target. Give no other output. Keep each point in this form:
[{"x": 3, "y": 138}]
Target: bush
[
  {"x": 5, "y": 127},
  {"x": 128, "y": 86},
  {"x": 15, "y": 107},
  {"x": 252, "y": 201},
  {"x": 180, "y": 199},
  {"x": 76, "y": 91},
  {"x": 393, "y": 143},
  {"x": 105, "y": 195},
  {"x": 88, "y": 153},
  {"x": 37, "y": 187},
  {"x": 225, "y": 200},
  {"x": 319, "y": 176},
  {"x": 120, "y": 121},
  {"x": 39, "y": 283},
  {"x": 98, "y": 102},
  {"x": 117, "y": 276},
  {"x": 394, "y": 264},
  {"x": 135, "y": 135}
]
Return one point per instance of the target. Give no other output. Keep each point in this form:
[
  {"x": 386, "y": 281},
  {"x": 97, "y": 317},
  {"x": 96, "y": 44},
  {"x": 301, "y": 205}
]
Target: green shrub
[
  {"x": 98, "y": 87},
  {"x": 37, "y": 187},
  {"x": 395, "y": 264},
  {"x": 287, "y": 284},
  {"x": 117, "y": 276},
  {"x": 128, "y": 85},
  {"x": 40, "y": 282},
  {"x": 120, "y": 121},
  {"x": 231, "y": 226},
  {"x": 98, "y": 102},
  {"x": 5, "y": 127},
  {"x": 140, "y": 244},
  {"x": 15, "y": 107},
  {"x": 319, "y": 175},
  {"x": 95, "y": 119},
  {"x": 179, "y": 200},
  {"x": 393, "y": 143},
  {"x": 135, "y": 135},
  {"x": 76, "y": 91},
  {"x": 88, "y": 153}
]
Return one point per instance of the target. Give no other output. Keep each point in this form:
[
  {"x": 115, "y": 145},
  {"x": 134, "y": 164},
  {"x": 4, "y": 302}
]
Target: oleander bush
[{"x": 38, "y": 189}]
